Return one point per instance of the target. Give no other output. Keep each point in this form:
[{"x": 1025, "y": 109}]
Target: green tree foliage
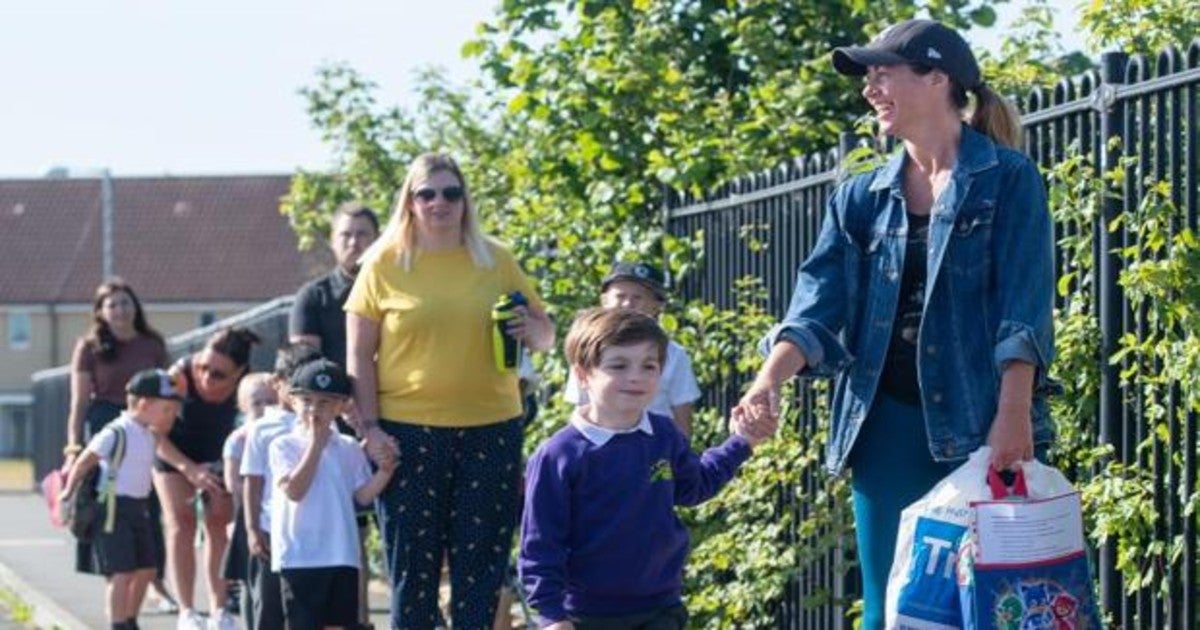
[
  {"x": 1141, "y": 26},
  {"x": 634, "y": 94},
  {"x": 1032, "y": 54}
]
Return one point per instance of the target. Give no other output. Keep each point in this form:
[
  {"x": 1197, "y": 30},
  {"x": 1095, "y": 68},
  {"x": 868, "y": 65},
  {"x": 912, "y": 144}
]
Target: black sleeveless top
[{"x": 202, "y": 427}]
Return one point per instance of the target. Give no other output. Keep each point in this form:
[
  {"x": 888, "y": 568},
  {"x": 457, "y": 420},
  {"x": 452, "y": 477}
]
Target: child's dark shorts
[
  {"x": 130, "y": 545},
  {"x": 318, "y": 597},
  {"x": 669, "y": 618}
]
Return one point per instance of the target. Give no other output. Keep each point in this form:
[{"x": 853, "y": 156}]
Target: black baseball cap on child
[
  {"x": 918, "y": 42},
  {"x": 154, "y": 383},
  {"x": 644, "y": 274},
  {"x": 323, "y": 377}
]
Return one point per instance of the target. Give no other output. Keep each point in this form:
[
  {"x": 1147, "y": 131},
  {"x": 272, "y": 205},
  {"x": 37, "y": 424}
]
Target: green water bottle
[{"x": 506, "y": 349}]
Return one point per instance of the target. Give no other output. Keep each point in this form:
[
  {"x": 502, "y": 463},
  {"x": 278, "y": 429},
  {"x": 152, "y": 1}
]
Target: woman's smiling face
[{"x": 900, "y": 96}]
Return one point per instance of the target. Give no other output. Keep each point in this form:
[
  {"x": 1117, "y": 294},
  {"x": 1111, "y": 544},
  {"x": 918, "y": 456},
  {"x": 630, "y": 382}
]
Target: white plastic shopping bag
[{"x": 922, "y": 590}]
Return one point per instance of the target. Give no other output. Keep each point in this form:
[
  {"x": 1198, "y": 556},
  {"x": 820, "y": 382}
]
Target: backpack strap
[{"x": 110, "y": 482}]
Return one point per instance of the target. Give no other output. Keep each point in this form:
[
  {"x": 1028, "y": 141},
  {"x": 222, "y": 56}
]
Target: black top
[
  {"x": 202, "y": 427},
  {"x": 899, "y": 379},
  {"x": 318, "y": 311}
]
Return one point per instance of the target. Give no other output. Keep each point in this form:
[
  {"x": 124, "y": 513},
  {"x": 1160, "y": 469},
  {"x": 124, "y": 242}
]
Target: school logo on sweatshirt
[{"x": 661, "y": 471}]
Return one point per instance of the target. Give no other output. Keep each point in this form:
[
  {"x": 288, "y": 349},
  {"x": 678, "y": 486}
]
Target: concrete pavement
[{"x": 37, "y": 563}]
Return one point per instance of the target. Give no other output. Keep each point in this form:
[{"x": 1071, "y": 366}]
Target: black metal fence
[
  {"x": 52, "y": 388},
  {"x": 764, "y": 225}
]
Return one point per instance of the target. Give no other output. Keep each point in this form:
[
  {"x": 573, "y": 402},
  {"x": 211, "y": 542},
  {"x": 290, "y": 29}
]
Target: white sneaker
[
  {"x": 223, "y": 622},
  {"x": 190, "y": 620},
  {"x": 165, "y": 606}
]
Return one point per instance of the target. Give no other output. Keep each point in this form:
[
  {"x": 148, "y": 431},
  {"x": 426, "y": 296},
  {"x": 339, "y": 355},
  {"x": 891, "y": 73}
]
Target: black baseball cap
[
  {"x": 323, "y": 377},
  {"x": 645, "y": 274},
  {"x": 920, "y": 42},
  {"x": 154, "y": 383}
]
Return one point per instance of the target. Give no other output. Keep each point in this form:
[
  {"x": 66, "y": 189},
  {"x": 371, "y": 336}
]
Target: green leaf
[{"x": 983, "y": 16}]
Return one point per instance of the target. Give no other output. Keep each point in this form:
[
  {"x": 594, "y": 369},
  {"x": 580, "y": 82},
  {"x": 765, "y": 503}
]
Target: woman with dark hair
[
  {"x": 928, "y": 294},
  {"x": 189, "y": 465},
  {"x": 118, "y": 345}
]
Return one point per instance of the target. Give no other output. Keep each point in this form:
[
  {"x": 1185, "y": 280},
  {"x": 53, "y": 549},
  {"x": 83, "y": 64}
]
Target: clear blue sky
[
  {"x": 201, "y": 86},
  {"x": 205, "y": 86}
]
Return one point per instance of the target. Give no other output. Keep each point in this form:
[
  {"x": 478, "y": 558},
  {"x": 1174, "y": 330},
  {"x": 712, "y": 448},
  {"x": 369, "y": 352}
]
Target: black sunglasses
[{"x": 449, "y": 193}]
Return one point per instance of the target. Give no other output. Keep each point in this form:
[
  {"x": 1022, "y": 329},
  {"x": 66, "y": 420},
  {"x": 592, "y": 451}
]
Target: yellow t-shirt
[{"x": 435, "y": 364}]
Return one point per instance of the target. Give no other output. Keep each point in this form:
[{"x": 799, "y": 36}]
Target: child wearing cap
[
  {"x": 601, "y": 545},
  {"x": 264, "y": 598},
  {"x": 320, "y": 476},
  {"x": 639, "y": 287},
  {"x": 126, "y": 554}
]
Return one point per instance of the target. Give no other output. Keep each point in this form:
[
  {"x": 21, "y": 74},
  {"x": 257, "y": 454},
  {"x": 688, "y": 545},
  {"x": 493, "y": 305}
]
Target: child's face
[
  {"x": 626, "y": 379},
  {"x": 158, "y": 413},
  {"x": 315, "y": 409},
  {"x": 283, "y": 393},
  {"x": 254, "y": 401},
  {"x": 631, "y": 295}
]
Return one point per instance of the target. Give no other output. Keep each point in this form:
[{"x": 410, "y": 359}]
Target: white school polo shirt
[
  {"x": 275, "y": 422},
  {"x": 134, "y": 477},
  {"x": 318, "y": 530}
]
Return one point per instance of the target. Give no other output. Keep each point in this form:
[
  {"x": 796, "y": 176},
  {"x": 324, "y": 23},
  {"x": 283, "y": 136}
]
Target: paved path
[{"x": 37, "y": 563}]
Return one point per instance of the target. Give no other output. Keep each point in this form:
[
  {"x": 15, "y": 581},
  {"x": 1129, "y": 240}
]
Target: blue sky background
[{"x": 203, "y": 87}]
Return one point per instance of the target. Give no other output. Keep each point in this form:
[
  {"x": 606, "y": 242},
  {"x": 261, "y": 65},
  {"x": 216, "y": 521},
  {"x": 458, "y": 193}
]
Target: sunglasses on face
[{"x": 449, "y": 193}]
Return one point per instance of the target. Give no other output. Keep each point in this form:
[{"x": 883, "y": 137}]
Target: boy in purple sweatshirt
[{"x": 601, "y": 545}]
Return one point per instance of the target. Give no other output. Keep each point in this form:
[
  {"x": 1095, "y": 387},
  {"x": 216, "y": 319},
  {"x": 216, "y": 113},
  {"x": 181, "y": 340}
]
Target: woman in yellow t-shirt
[{"x": 419, "y": 348}]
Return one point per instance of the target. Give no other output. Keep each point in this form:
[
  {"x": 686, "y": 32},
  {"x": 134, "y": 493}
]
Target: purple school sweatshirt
[{"x": 599, "y": 534}]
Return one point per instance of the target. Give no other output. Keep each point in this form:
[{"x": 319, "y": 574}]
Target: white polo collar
[{"x": 600, "y": 436}]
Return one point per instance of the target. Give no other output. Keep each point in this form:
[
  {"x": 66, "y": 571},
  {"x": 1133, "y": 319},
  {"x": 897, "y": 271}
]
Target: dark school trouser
[
  {"x": 669, "y": 618},
  {"x": 266, "y": 600},
  {"x": 318, "y": 597},
  {"x": 455, "y": 495}
]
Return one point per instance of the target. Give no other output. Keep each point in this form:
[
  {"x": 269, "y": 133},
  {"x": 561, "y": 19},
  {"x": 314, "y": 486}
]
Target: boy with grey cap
[
  {"x": 320, "y": 476},
  {"x": 640, "y": 287},
  {"x": 124, "y": 539}
]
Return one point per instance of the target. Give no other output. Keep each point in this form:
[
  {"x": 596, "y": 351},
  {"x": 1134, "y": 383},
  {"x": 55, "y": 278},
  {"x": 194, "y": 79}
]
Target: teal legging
[{"x": 891, "y": 468}]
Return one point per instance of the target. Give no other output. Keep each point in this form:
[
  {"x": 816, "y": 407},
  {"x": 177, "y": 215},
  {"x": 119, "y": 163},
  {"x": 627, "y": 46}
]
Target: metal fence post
[{"x": 1112, "y": 121}]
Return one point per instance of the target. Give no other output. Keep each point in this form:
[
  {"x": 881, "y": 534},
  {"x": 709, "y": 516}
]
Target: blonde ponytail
[{"x": 996, "y": 117}]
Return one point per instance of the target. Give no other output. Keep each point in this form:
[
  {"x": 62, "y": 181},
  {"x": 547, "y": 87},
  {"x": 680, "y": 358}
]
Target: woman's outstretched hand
[{"x": 760, "y": 403}]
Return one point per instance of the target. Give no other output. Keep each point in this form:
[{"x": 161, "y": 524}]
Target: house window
[
  {"x": 207, "y": 317},
  {"x": 19, "y": 335}
]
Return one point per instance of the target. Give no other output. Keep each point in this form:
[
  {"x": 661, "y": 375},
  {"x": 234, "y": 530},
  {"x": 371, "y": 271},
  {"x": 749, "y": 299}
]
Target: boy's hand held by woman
[{"x": 754, "y": 429}]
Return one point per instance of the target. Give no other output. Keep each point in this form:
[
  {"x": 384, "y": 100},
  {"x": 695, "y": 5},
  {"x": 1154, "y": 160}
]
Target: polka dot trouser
[{"x": 454, "y": 496}]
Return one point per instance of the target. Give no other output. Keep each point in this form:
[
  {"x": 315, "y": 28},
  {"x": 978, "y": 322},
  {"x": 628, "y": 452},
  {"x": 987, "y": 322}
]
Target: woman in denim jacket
[{"x": 928, "y": 294}]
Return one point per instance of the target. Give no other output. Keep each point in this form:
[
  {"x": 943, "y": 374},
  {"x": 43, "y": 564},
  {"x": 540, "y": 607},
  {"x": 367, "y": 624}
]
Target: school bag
[{"x": 94, "y": 504}]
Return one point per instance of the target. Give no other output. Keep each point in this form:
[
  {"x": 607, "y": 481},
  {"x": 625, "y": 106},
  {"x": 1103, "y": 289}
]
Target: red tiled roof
[{"x": 176, "y": 239}]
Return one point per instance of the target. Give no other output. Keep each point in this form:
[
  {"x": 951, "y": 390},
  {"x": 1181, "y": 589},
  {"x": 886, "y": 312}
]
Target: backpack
[{"x": 93, "y": 502}]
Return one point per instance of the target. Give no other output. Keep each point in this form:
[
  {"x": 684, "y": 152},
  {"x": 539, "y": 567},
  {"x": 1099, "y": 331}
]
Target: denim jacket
[{"x": 988, "y": 296}]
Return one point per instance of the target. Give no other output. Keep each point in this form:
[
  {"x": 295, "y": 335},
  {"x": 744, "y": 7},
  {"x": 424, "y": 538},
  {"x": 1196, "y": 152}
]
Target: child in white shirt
[
  {"x": 265, "y": 599},
  {"x": 125, "y": 552},
  {"x": 320, "y": 477}
]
